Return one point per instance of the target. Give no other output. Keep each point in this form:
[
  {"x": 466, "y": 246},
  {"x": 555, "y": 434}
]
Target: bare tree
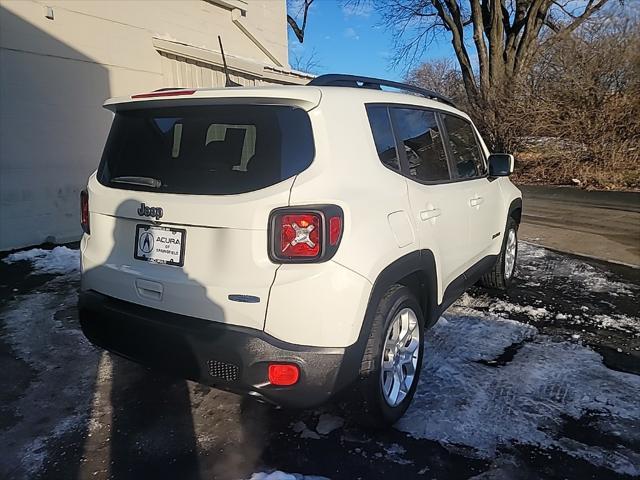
[
  {"x": 301, "y": 8},
  {"x": 506, "y": 34},
  {"x": 308, "y": 62},
  {"x": 582, "y": 102},
  {"x": 439, "y": 75}
]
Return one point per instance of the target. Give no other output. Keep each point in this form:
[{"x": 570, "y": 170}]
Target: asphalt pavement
[
  {"x": 599, "y": 224},
  {"x": 541, "y": 382}
]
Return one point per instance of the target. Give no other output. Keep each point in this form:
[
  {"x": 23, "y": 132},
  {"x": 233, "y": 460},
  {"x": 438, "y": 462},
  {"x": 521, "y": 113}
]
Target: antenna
[{"x": 228, "y": 82}]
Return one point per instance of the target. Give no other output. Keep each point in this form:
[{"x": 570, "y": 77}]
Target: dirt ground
[{"x": 542, "y": 382}]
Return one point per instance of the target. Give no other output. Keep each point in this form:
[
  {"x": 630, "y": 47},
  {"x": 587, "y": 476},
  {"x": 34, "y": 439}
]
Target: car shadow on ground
[{"x": 108, "y": 417}]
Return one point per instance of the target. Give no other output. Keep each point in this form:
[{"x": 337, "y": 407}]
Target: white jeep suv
[{"x": 291, "y": 242}]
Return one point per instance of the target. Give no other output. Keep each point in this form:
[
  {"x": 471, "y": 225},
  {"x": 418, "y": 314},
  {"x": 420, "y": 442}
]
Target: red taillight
[
  {"x": 283, "y": 374},
  {"x": 166, "y": 93},
  {"x": 335, "y": 230},
  {"x": 300, "y": 235},
  {"x": 305, "y": 234},
  {"x": 84, "y": 211}
]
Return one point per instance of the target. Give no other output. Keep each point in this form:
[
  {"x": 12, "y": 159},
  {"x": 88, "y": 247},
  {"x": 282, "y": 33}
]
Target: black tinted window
[
  {"x": 467, "y": 157},
  {"x": 422, "y": 141},
  {"x": 206, "y": 149},
  {"x": 383, "y": 136}
]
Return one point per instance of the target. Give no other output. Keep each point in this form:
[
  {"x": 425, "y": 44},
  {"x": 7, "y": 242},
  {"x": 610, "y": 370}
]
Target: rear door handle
[
  {"x": 430, "y": 213},
  {"x": 476, "y": 201}
]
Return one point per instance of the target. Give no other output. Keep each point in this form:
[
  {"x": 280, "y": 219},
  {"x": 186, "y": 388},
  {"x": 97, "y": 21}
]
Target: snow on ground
[
  {"x": 56, "y": 401},
  {"x": 504, "y": 308},
  {"x": 278, "y": 475},
  {"x": 537, "y": 265},
  {"x": 623, "y": 323},
  {"x": 463, "y": 402},
  {"x": 327, "y": 423},
  {"x": 60, "y": 260},
  {"x": 488, "y": 382}
]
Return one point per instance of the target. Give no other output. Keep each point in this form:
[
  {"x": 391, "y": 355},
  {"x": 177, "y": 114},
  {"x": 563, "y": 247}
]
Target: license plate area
[{"x": 160, "y": 245}]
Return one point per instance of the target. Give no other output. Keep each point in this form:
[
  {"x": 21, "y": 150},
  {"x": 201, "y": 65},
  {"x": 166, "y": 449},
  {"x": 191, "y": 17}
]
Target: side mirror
[{"x": 500, "y": 164}]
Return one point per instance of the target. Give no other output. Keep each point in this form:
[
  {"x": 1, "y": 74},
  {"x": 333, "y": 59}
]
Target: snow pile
[
  {"x": 60, "y": 260},
  {"x": 503, "y": 308},
  {"x": 327, "y": 423},
  {"x": 304, "y": 431},
  {"x": 618, "y": 322},
  {"x": 462, "y": 402},
  {"x": 278, "y": 475}
]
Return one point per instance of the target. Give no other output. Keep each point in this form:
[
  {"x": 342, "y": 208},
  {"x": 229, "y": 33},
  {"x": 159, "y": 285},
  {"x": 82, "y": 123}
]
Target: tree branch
[
  {"x": 299, "y": 30},
  {"x": 563, "y": 32},
  {"x": 452, "y": 18},
  {"x": 481, "y": 47}
]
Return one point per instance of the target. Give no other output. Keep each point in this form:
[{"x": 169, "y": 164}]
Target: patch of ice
[
  {"x": 395, "y": 452},
  {"x": 39, "y": 339},
  {"x": 442, "y": 321},
  {"x": 278, "y": 475},
  {"x": 460, "y": 402},
  {"x": 60, "y": 260},
  {"x": 327, "y": 423},
  {"x": 301, "y": 428},
  {"x": 307, "y": 433}
]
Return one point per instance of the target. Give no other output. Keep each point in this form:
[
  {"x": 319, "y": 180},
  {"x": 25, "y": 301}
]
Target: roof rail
[{"x": 356, "y": 81}]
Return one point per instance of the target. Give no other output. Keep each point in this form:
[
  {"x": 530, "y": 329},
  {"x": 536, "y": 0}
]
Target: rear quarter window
[
  {"x": 210, "y": 150},
  {"x": 383, "y": 136}
]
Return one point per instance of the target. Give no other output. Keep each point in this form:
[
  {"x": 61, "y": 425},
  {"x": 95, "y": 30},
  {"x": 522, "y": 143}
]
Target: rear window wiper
[{"x": 141, "y": 181}]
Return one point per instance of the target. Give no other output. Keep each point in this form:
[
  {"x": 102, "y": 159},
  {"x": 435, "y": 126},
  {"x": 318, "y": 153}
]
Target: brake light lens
[
  {"x": 299, "y": 235},
  {"x": 305, "y": 234},
  {"x": 84, "y": 211},
  {"x": 283, "y": 374},
  {"x": 164, "y": 93}
]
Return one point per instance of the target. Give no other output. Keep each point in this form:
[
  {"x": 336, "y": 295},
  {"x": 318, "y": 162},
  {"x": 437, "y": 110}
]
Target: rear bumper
[{"x": 223, "y": 356}]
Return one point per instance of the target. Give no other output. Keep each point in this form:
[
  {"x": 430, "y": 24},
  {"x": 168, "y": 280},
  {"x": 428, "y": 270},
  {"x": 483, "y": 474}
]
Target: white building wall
[{"x": 56, "y": 73}]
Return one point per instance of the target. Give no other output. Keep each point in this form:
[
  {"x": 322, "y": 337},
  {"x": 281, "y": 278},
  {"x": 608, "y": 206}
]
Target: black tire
[
  {"x": 497, "y": 278},
  {"x": 369, "y": 406}
]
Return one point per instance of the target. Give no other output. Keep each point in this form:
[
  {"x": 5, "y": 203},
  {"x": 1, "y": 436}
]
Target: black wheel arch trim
[
  {"x": 516, "y": 204},
  {"x": 422, "y": 262},
  {"x": 418, "y": 261}
]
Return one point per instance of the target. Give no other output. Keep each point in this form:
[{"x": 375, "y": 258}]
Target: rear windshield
[{"x": 206, "y": 150}]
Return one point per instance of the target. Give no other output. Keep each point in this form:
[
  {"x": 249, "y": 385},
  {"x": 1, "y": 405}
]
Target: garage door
[{"x": 185, "y": 72}]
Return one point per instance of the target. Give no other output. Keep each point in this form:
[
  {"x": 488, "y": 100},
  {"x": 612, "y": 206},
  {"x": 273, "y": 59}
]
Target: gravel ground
[{"x": 542, "y": 382}]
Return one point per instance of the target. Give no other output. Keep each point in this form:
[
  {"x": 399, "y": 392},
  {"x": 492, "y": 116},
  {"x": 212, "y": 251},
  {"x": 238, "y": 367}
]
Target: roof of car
[{"x": 305, "y": 96}]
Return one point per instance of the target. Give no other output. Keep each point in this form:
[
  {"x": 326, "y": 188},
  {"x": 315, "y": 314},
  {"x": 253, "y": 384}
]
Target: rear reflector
[
  {"x": 335, "y": 230},
  {"x": 165, "y": 93},
  {"x": 84, "y": 211},
  {"x": 283, "y": 374}
]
